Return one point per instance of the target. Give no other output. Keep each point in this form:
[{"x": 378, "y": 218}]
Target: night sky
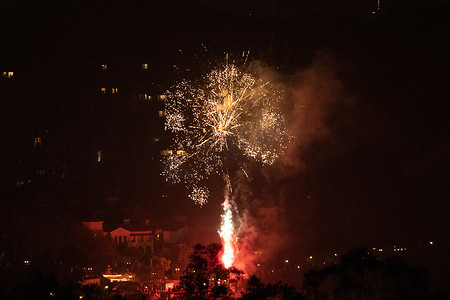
[{"x": 366, "y": 103}]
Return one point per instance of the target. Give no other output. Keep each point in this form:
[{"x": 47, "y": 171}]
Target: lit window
[
  {"x": 166, "y": 152},
  {"x": 99, "y": 155},
  {"x": 114, "y": 91},
  {"x": 37, "y": 141},
  {"x": 180, "y": 152},
  {"x": 104, "y": 67},
  {"x": 103, "y": 90},
  {"x": 162, "y": 97},
  {"x": 145, "y": 97},
  {"x": 162, "y": 113},
  {"x": 8, "y": 74},
  {"x": 144, "y": 66}
]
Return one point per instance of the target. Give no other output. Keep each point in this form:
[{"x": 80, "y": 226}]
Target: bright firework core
[{"x": 226, "y": 232}]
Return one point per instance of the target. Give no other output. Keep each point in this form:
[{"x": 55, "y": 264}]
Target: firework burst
[{"x": 229, "y": 112}]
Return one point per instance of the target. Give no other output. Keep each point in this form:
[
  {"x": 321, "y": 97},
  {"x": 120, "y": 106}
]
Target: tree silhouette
[
  {"x": 206, "y": 276},
  {"x": 359, "y": 275}
]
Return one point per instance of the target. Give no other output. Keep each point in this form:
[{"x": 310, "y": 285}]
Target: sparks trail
[{"x": 230, "y": 111}]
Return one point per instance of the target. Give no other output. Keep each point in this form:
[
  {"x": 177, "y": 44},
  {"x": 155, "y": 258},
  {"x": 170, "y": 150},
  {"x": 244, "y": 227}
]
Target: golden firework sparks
[{"x": 227, "y": 110}]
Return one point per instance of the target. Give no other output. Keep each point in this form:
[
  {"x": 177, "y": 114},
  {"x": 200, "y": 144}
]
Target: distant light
[
  {"x": 298, "y": 267},
  {"x": 310, "y": 257},
  {"x": 335, "y": 254},
  {"x": 106, "y": 287},
  {"x": 380, "y": 250},
  {"x": 99, "y": 155},
  {"x": 431, "y": 243},
  {"x": 8, "y": 74},
  {"x": 286, "y": 261}
]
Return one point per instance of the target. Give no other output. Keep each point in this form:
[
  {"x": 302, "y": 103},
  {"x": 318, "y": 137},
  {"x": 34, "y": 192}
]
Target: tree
[
  {"x": 206, "y": 276},
  {"x": 359, "y": 275},
  {"x": 256, "y": 290}
]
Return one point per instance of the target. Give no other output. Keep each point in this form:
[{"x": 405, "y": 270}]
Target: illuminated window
[
  {"x": 37, "y": 141},
  {"x": 162, "y": 113},
  {"x": 104, "y": 67},
  {"x": 114, "y": 91},
  {"x": 144, "y": 66},
  {"x": 166, "y": 152},
  {"x": 145, "y": 97},
  {"x": 103, "y": 90},
  {"x": 180, "y": 152},
  {"x": 99, "y": 155},
  {"x": 8, "y": 74},
  {"x": 162, "y": 97}
]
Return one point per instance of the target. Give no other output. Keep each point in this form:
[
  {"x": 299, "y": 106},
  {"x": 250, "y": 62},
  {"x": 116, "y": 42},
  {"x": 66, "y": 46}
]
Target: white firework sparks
[{"x": 228, "y": 112}]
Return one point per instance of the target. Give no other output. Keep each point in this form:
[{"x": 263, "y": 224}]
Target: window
[
  {"x": 104, "y": 67},
  {"x": 114, "y": 91},
  {"x": 166, "y": 152},
  {"x": 145, "y": 97},
  {"x": 8, "y": 74},
  {"x": 144, "y": 66},
  {"x": 162, "y": 97},
  {"x": 162, "y": 113},
  {"x": 37, "y": 141},
  {"x": 99, "y": 155},
  {"x": 103, "y": 90},
  {"x": 180, "y": 152}
]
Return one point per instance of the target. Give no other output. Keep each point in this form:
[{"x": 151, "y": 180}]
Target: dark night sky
[{"x": 368, "y": 98}]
